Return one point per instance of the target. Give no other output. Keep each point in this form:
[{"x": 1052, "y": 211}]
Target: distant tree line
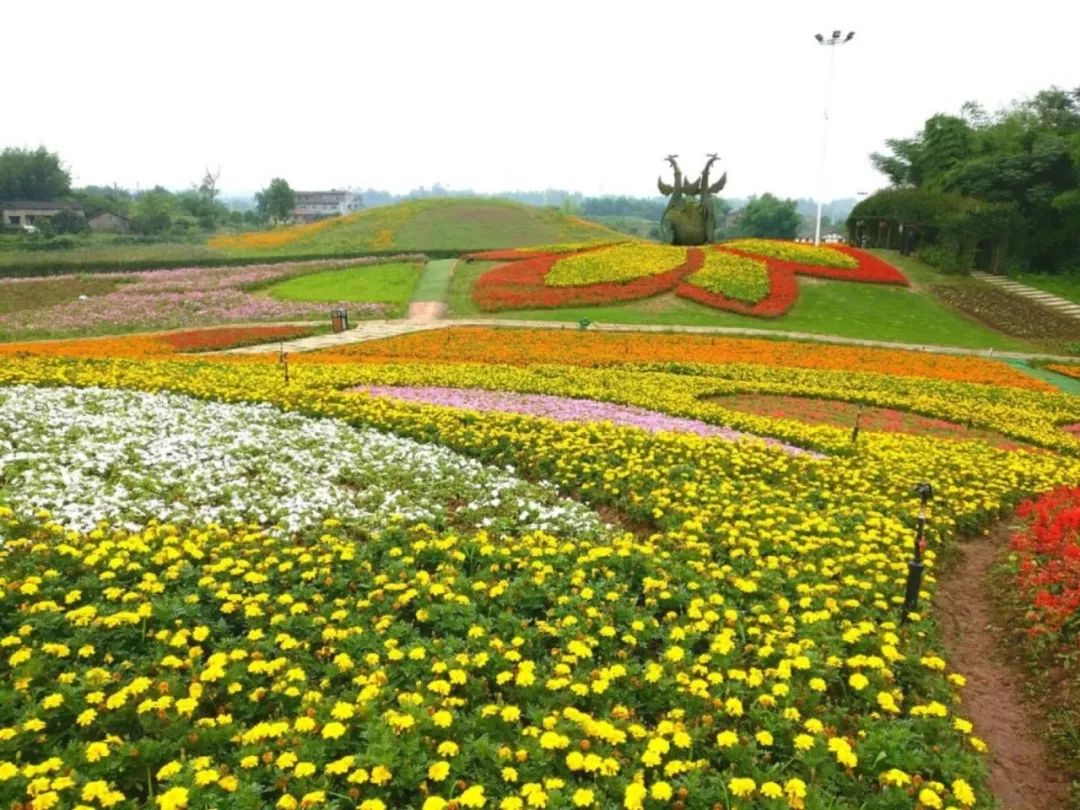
[{"x": 994, "y": 191}]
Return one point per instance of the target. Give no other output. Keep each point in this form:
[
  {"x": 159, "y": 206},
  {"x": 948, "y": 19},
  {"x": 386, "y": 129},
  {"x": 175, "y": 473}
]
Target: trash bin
[{"x": 339, "y": 319}]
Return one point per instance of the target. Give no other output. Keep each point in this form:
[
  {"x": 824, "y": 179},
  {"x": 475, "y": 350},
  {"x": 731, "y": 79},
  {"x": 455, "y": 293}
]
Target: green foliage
[
  {"x": 769, "y": 216},
  {"x": 277, "y": 201},
  {"x": 32, "y": 174},
  {"x": 153, "y": 212},
  {"x": 1025, "y": 159},
  {"x": 67, "y": 222}
]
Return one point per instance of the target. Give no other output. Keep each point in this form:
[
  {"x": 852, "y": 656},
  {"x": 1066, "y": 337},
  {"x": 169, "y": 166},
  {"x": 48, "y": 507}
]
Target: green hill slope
[{"x": 418, "y": 225}]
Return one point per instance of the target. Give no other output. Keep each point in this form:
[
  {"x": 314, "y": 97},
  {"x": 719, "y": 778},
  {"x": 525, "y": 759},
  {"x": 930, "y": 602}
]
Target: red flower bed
[
  {"x": 1049, "y": 564},
  {"x": 202, "y": 340},
  {"x": 871, "y": 269},
  {"x": 520, "y": 285},
  {"x": 783, "y": 293}
]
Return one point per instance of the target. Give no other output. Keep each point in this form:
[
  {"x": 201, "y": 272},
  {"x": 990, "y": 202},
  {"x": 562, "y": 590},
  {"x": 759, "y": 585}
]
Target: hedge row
[{"x": 68, "y": 267}]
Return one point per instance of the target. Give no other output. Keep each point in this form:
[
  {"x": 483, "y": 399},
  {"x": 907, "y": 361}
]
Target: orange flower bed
[
  {"x": 271, "y": 239},
  {"x": 158, "y": 344},
  {"x": 1067, "y": 370},
  {"x": 573, "y": 347}
]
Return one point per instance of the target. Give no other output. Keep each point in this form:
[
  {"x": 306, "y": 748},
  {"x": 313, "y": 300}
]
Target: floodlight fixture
[{"x": 837, "y": 38}]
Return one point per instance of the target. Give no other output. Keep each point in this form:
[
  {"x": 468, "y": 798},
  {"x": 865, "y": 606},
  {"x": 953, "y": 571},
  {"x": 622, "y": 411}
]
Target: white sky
[{"x": 583, "y": 95}]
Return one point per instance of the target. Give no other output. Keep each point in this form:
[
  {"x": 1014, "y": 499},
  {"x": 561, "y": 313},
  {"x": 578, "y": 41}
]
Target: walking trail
[
  {"x": 1022, "y": 773},
  {"x": 1054, "y": 302}
]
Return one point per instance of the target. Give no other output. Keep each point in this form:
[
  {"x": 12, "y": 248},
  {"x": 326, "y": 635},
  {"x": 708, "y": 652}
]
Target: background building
[
  {"x": 20, "y": 213},
  {"x": 312, "y": 205}
]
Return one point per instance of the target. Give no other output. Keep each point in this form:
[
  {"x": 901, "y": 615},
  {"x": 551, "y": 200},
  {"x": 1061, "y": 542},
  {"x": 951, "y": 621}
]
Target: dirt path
[{"x": 1022, "y": 773}]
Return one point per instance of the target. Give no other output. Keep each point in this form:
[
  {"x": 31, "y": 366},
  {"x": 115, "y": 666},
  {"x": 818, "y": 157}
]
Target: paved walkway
[
  {"x": 429, "y": 298},
  {"x": 375, "y": 330},
  {"x": 1049, "y": 300}
]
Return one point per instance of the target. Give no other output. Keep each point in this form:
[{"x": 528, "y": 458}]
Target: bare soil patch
[{"x": 1023, "y": 775}]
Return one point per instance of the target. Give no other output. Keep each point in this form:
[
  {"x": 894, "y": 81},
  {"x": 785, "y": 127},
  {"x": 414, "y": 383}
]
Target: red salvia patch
[{"x": 1049, "y": 552}]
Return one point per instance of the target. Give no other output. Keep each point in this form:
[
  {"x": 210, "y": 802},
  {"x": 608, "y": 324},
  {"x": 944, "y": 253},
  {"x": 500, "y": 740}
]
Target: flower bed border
[{"x": 520, "y": 285}]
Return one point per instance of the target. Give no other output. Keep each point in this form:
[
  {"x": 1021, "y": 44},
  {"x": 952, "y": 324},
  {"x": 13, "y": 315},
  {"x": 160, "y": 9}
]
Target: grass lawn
[
  {"x": 866, "y": 311},
  {"x": 92, "y": 251},
  {"x": 450, "y": 224},
  {"x": 45, "y": 292},
  {"x": 390, "y": 283},
  {"x": 1067, "y": 286},
  {"x": 434, "y": 282}
]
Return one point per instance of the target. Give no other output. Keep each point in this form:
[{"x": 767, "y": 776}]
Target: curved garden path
[{"x": 1022, "y": 773}]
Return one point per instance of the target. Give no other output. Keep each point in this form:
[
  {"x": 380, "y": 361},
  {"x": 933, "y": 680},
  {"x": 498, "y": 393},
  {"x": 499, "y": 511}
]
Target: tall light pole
[{"x": 837, "y": 38}]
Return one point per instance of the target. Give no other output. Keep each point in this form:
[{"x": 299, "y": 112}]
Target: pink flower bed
[
  {"x": 192, "y": 296},
  {"x": 563, "y": 409}
]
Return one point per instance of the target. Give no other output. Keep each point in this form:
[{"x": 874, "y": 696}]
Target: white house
[
  {"x": 313, "y": 205},
  {"x": 21, "y": 213}
]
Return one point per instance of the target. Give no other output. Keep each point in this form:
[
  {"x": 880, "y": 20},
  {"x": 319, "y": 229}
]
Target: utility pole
[{"x": 837, "y": 38}]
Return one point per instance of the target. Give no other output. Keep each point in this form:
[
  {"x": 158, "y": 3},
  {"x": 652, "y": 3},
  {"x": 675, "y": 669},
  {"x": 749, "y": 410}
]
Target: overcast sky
[{"x": 581, "y": 95}]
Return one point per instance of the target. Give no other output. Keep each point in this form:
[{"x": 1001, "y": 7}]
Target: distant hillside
[{"x": 417, "y": 225}]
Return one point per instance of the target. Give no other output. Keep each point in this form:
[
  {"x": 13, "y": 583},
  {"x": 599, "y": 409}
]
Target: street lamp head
[
  {"x": 836, "y": 35},
  {"x": 850, "y": 36},
  {"x": 820, "y": 39}
]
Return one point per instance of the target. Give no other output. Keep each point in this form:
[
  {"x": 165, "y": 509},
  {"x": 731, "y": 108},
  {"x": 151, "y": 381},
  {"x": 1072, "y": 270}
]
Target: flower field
[
  {"x": 367, "y": 586},
  {"x": 160, "y": 344},
  {"x": 169, "y": 299},
  {"x": 530, "y": 346},
  {"x": 748, "y": 276}
]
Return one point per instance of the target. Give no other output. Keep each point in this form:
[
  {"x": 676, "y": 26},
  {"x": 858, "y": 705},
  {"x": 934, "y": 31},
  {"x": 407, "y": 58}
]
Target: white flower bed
[{"x": 93, "y": 454}]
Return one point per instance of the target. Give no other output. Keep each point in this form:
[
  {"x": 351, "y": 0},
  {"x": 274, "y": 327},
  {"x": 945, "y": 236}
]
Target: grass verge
[{"x": 391, "y": 284}]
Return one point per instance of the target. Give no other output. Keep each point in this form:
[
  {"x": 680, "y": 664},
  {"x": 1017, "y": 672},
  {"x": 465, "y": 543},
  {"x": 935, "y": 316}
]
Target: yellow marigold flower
[
  {"x": 551, "y": 740},
  {"x": 92, "y": 791},
  {"x": 583, "y": 797},
  {"x": 472, "y": 797},
  {"x": 52, "y": 701},
  {"x": 46, "y": 800},
  {"x": 169, "y": 770},
  {"x": 304, "y": 724},
  {"x": 303, "y": 769},
  {"x": 341, "y": 766},
  {"x": 380, "y": 775},
  {"x": 511, "y": 803},
  {"x": 509, "y": 774},
  {"x": 894, "y": 777},
  {"x": 727, "y": 738},
  {"x": 287, "y": 802},
  {"x": 96, "y": 751},
  {"x": 286, "y": 760},
  {"x": 742, "y": 786},
  {"x": 858, "y": 681},
  {"x": 439, "y": 770},
  {"x": 342, "y": 711},
  {"x": 229, "y": 783},
  {"x": 173, "y": 799},
  {"x": 928, "y": 798},
  {"x": 661, "y": 791},
  {"x": 634, "y": 797},
  {"x": 206, "y": 777},
  {"x": 804, "y": 742},
  {"x": 250, "y": 761},
  {"x": 963, "y": 793},
  {"x": 434, "y": 803},
  {"x": 764, "y": 738},
  {"x": 448, "y": 749},
  {"x": 86, "y": 717},
  {"x": 313, "y": 798},
  {"x": 333, "y": 730},
  {"x": 442, "y": 718},
  {"x": 771, "y": 790}
]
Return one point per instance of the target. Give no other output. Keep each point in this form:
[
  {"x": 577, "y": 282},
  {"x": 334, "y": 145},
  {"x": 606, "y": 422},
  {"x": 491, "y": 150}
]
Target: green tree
[
  {"x": 1025, "y": 158},
  {"x": 769, "y": 216},
  {"x": 277, "y": 201},
  {"x": 153, "y": 212},
  {"x": 32, "y": 174}
]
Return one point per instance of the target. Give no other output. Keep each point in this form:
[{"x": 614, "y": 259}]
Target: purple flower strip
[{"x": 563, "y": 409}]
